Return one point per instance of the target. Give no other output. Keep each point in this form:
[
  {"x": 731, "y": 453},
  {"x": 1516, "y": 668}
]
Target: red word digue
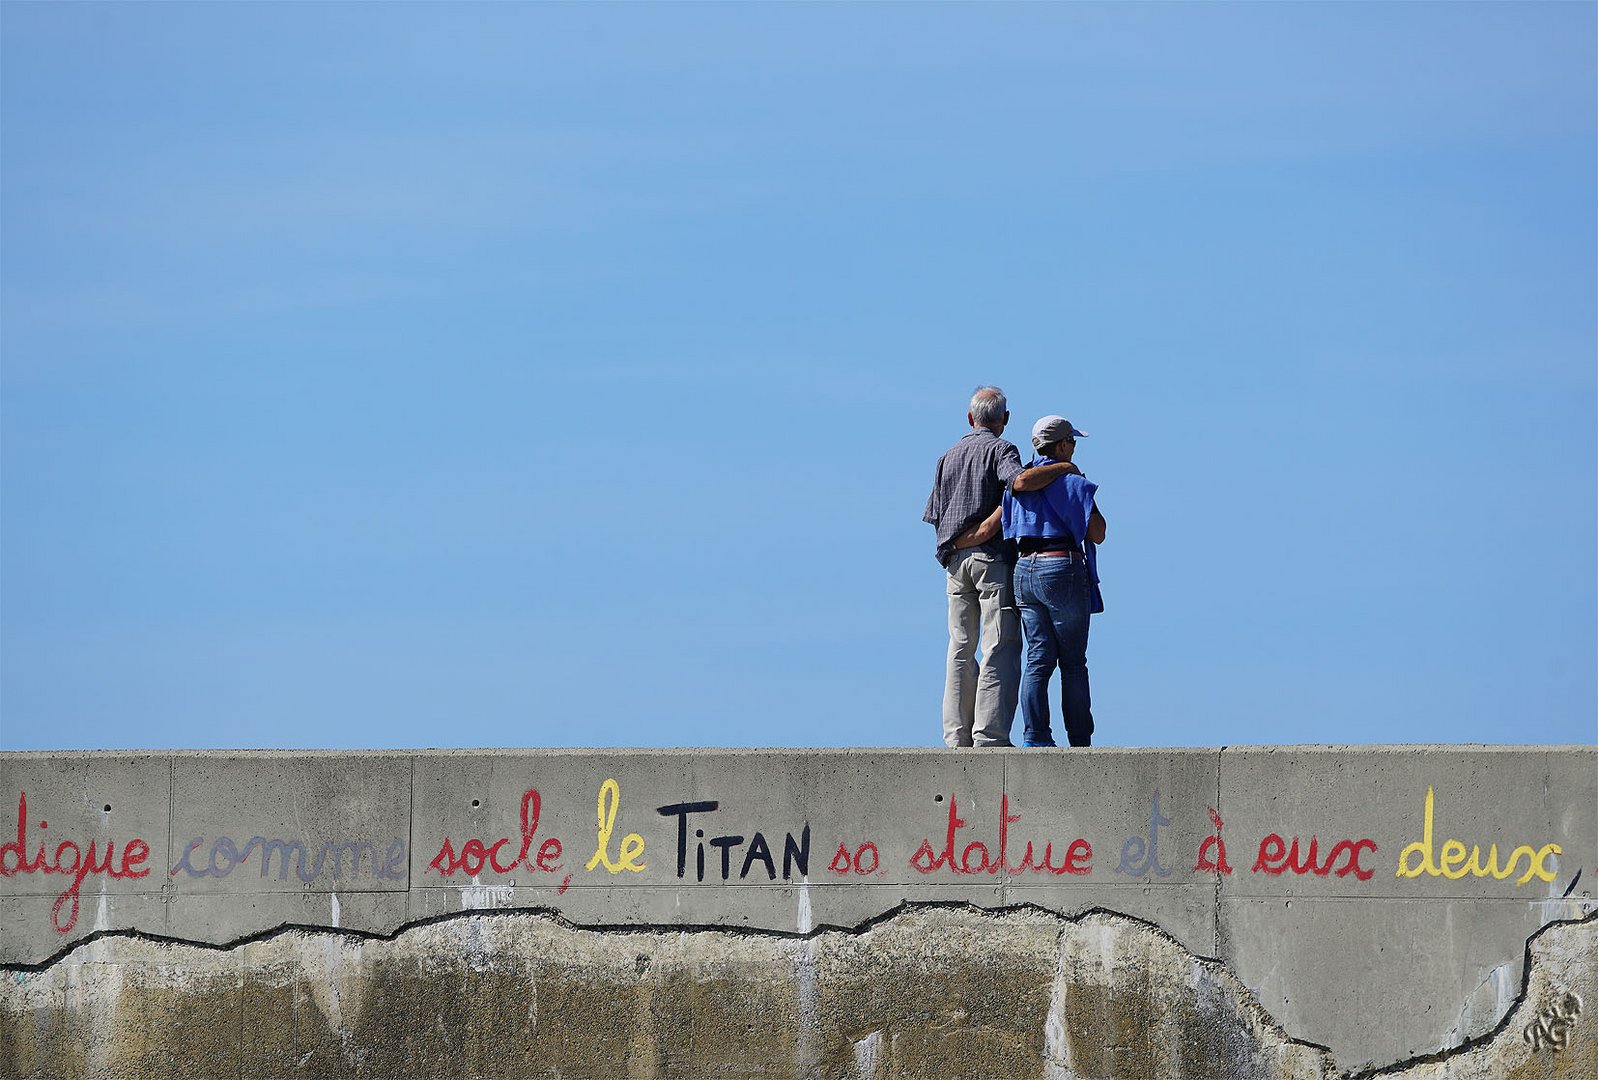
[
  {"x": 927, "y": 861},
  {"x": 475, "y": 855},
  {"x": 14, "y": 860}
]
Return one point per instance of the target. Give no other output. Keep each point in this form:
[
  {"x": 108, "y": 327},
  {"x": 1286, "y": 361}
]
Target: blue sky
[{"x": 515, "y": 375}]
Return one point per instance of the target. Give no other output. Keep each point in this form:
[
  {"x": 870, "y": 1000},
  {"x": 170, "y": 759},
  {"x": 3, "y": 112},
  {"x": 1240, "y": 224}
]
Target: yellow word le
[
  {"x": 632, "y": 845},
  {"x": 1455, "y": 862}
]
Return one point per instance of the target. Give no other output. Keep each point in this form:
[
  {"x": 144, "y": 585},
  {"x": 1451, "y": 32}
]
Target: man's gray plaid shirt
[{"x": 969, "y": 483}]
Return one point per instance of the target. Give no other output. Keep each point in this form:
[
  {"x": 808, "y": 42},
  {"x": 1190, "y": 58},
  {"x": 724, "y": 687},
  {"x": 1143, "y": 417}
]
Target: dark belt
[
  {"x": 1054, "y": 555},
  {"x": 1048, "y": 545}
]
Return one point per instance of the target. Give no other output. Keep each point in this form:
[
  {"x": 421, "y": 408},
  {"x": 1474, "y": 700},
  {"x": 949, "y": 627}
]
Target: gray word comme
[{"x": 225, "y": 855}]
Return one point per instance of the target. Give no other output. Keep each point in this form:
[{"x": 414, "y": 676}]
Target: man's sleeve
[
  {"x": 1008, "y": 466},
  {"x": 934, "y": 509}
]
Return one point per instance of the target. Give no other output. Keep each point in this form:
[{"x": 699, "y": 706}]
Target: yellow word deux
[{"x": 1455, "y": 862}]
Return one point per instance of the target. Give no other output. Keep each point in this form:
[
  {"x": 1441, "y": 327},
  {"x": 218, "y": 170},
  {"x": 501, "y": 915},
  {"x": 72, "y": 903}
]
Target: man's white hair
[{"x": 988, "y": 405}]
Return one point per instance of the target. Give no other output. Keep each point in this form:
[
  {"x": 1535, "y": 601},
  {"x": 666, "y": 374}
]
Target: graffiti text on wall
[
  {"x": 80, "y": 864},
  {"x": 1551, "y": 1026},
  {"x": 223, "y": 854},
  {"x": 705, "y": 840}
]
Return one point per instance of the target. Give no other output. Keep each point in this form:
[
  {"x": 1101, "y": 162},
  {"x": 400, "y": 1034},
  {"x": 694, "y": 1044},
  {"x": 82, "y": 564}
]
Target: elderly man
[{"x": 964, "y": 508}]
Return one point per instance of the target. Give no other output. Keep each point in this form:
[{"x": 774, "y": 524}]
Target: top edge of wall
[{"x": 1301, "y": 748}]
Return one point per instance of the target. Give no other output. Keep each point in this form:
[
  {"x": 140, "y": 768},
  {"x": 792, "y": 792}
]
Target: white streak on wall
[
  {"x": 94, "y": 987},
  {"x": 480, "y": 897},
  {"x": 476, "y": 944},
  {"x": 865, "y": 1055},
  {"x": 1056, "y": 1046},
  {"x": 335, "y": 912},
  {"x": 1493, "y": 997},
  {"x": 332, "y": 975},
  {"x": 1104, "y": 938},
  {"x": 805, "y": 988}
]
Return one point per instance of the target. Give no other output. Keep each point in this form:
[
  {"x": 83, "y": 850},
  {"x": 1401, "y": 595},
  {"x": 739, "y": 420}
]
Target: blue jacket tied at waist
[{"x": 1060, "y": 509}]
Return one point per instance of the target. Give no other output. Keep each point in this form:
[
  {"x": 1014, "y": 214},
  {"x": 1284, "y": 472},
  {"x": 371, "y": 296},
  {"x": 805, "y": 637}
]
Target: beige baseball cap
[{"x": 1051, "y": 429}]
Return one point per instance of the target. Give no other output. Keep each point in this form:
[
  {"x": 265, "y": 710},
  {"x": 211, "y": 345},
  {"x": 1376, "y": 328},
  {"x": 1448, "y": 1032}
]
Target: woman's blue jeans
[{"x": 1054, "y": 594}]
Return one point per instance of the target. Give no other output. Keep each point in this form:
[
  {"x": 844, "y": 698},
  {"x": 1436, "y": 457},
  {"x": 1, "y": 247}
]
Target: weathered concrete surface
[
  {"x": 1552, "y": 1031},
  {"x": 927, "y": 992},
  {"x": 1397, "y": 944}
]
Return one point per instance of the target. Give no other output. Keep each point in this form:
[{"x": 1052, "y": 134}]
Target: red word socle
[{"x": 475, "y": 854}]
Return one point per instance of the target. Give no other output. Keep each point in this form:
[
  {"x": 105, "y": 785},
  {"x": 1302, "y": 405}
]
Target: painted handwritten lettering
[
  {"x": 795, "y": 850},
  {"x": 632, "y": 846},
  {"x": 224, "y": 854},
  {"x": 78, "y": 865},
  {"x": 1455, "y": 862},
  {"x": 475, "y": 855},
  {"x": 719, "y": 843},
  {"x": 1141, "y": 857},
  {"x": 1276, "y": 857},
  {"x": 976, "y": 858},
  {"x": 865, "y": 860},
  {"x": 1212, "y": 852}
]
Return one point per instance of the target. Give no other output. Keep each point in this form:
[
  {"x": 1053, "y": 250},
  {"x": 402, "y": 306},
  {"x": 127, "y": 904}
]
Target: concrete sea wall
[{"x": 1237, "y": 912}]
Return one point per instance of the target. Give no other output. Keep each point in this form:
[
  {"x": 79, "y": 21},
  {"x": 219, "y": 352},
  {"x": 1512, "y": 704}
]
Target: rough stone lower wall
[
  {"x": 927, "y": 992},
  {"x": 914, "y": 940}
]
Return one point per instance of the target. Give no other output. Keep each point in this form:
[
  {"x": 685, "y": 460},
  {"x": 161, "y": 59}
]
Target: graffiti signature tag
[{"x": 1551, "y": 1026}]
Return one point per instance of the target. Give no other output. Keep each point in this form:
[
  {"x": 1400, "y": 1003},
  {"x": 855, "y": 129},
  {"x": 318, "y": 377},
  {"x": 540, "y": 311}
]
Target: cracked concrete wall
[
  {"x": 1287, "y": 912},
  {"x": 934, "y": 991}
]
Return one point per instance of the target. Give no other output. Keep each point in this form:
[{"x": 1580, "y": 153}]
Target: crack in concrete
[
  {"x": 1213, "y": 966},
  {"x": 1505, "y": 1022}
]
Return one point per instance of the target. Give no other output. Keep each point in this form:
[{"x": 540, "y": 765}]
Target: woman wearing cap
[{"x": 1056, "y": 584}]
